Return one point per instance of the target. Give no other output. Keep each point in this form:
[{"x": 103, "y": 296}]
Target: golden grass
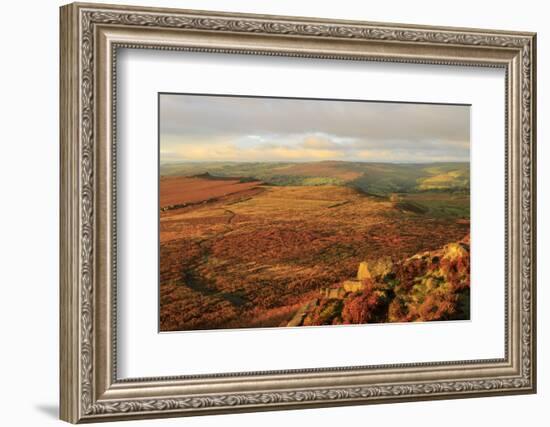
[{"x": 248, "y": 261}]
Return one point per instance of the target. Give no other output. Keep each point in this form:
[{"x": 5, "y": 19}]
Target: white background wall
[{"x": 29, "y": 170}]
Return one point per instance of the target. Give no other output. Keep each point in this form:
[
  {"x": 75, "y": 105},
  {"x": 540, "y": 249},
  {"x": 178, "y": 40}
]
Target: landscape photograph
[{"x": 295, "y": 212}]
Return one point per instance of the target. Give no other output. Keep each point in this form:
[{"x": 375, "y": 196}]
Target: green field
[{"x": 372, "y": 178}]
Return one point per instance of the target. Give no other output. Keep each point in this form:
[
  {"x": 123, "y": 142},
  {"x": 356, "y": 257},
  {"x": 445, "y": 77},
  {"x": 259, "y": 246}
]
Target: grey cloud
[{"x": 435, "y": 131}]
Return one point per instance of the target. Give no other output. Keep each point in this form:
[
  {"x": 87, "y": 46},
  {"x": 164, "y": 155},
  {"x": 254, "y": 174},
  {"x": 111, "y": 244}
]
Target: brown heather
[{"x": 262, "y": 256}]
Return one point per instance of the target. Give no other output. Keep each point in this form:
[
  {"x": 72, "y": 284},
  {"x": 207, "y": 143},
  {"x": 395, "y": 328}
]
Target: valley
[{"x": 257, "y": 245}]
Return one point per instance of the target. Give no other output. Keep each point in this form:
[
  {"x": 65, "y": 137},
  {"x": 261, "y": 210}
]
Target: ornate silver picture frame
[{"x": 91, "y": 36}]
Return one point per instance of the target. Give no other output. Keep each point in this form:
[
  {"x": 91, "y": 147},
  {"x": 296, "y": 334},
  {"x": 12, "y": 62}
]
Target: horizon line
[{"x": 311, "y": 161}]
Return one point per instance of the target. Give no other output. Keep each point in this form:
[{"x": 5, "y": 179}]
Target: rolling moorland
[{"x": 305, "y": 244}]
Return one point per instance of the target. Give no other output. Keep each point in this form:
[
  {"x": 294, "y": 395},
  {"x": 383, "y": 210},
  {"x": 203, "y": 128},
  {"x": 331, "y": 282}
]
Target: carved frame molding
[{"x": 90, "y": 390}]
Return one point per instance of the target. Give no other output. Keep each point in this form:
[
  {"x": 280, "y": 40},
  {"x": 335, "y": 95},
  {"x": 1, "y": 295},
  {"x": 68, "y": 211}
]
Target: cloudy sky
[{"x": 218, "y": 128}]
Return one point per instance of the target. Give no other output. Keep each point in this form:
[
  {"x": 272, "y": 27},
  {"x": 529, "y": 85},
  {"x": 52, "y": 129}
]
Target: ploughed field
[{"x": 240, "y": 253}]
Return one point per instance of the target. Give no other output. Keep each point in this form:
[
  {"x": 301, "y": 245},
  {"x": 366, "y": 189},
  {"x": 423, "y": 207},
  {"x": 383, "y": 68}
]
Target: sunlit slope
[{"x": 374, "y": 178}]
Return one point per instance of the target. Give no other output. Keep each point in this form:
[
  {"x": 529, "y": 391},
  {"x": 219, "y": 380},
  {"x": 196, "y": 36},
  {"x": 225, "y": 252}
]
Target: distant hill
[{"x": 373, "y": 178}]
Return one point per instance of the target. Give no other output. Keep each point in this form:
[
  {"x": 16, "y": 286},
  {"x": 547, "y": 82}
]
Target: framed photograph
[{"x": 266, "y": 212}]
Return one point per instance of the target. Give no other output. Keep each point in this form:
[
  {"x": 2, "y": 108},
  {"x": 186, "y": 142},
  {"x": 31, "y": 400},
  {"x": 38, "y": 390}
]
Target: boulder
[
  {"x": 353, "y": 285},
  {"x": 363, "y": 271},
  {"x": 371, "y": 270},
  {"x": 333, "y": 293},
  {"x": 454, "y": 251}
]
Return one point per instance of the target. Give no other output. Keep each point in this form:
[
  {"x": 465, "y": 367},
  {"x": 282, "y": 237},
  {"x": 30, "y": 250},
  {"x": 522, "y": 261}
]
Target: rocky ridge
[{"x": 429, "y": 286}]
